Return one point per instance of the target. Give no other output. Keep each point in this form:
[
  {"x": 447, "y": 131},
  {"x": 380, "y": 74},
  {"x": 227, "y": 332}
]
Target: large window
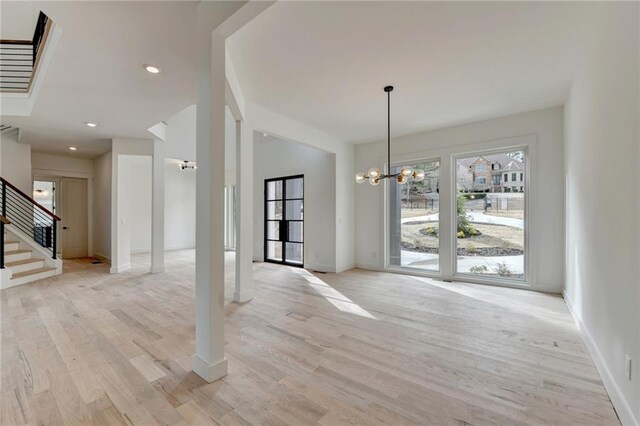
[
  {"x": 414, "y": 220},
  {"x": 490, "y": 226},
  {"x": 476, "y": 233}
]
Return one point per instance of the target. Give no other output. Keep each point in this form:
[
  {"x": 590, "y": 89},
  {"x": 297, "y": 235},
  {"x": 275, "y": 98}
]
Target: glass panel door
[
  {"x": 414, "y": 219},
  {"x": 490, "y": 215},
  {"x": 284, "y": 220}
]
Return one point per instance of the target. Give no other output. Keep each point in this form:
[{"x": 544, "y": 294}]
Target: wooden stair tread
[
  {"x": 22, "y": 262},
  {"x": 32, "y": 272},
  {"x": 11, "y": 242},
  {"x": 10, "y": 252}
]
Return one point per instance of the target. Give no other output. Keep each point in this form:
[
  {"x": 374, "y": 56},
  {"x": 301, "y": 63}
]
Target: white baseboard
[
  {"x": 120, "y": 268},
  {"x": 102, "y": 258},
  {"x": 209, "y": 372},
  {"x": 621, "y": 405},
  {"x": 169, "y": 248},
  {"x": 319, "y": 267},
  {"x": 370, "y": 266},
  {"x": 345, "y": 267},
  {"x": 242, "y": 297},
  {"x": 156, "y": 269}
]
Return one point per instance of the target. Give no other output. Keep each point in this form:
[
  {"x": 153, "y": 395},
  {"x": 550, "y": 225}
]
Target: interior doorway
[
  {"x": 73, "y": 211},
  {"x": 284, "y": 220}
]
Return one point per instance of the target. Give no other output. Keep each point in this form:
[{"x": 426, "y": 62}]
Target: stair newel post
[
  {"x": 2, "y": 243},
  {"x": 54, "y": 235},
  {"x": 4, "y": 199}
]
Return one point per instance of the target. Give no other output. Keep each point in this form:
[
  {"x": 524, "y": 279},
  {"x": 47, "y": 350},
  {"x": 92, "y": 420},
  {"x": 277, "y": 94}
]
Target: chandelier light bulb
[
  {"x": 418, "y": 175},
  {"x": 375, "y": 181},
  {"x": 406, "y": 171},
  {"x": 360, "y": 177},
  {"x": 374, "y": 172}
]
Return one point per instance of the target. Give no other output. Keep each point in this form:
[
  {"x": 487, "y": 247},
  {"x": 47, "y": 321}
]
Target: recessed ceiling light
[
  {"x": 264, "y": 135},
  {"x": 72, "y": 148},
  {"x": 152, "y": 68},
  {"x": 90, "y": 124}
]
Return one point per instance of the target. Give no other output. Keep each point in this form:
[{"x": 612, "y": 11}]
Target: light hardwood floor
[{"x": 353, "y": 348}]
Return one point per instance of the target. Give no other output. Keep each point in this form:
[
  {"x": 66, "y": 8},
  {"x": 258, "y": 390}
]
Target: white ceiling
[
  {"x": 325, "y": 63},
  {"x": 322, "y": 63},
  {"x": 97, "y": 73}
]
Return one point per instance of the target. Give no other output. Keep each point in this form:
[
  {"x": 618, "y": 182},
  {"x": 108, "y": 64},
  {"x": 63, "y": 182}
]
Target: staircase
[
  {"x": 28, "y": 237},
  {"x": 23, "y": 263}
]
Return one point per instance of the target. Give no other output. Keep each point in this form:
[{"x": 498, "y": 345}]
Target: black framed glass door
[{"x": 284, "y": 220}]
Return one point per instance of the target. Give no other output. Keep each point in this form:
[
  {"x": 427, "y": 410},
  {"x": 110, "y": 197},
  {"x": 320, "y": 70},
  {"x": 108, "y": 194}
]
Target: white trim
[
  {"x": 319, "y": 267},
  {"x": 120, "y": 268},
  {"x": 620, "y": 404},
  {"x": 53, "y": 173},
  {"x": 102, "y": 258},
  {"x": 209, "y": 372}
]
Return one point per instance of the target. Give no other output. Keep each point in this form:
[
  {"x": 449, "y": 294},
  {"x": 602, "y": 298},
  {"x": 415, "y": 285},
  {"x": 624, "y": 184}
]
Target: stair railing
[
  {"x": 19, "y": 58},
  {"x": 3, "y": 221},
  {"x": 29, "y": 216}
]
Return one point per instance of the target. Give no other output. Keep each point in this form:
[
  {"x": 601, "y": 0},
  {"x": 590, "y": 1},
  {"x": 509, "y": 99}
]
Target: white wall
[
  {"x": 263, "y": 120},
  {"x": 18, "y": 20},
  {"x": 602, "y": 218},
  {"x": 181, "y": 136},
  {"x": 278, "y": 158},
  {"x": 120, "y": 179},
  {"x": 102, "y": 207},
  {"x": 15, "y": 161},
  {"x": 547, "y": 214},
  {"x": 180, "y": 207},
  {"x": 137, "y": 199},
  {"x": 60, "y": 165}
]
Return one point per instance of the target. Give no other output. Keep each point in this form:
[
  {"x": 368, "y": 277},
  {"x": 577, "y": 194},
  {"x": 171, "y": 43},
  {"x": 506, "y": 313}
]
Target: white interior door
[{"x": 73, "y": 211}]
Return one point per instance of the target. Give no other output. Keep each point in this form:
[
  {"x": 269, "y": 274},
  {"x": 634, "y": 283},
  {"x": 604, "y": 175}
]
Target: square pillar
[
  {"x": 209, "y": 361},
  {"x": 157, "y": 207},
  {"x": 244, "y": 213}
]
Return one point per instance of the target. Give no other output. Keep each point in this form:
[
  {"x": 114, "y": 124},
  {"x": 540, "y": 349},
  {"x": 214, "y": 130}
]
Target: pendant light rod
[
  {"x": 406, "y": 174},
  {"x": 388, "y": 89}
]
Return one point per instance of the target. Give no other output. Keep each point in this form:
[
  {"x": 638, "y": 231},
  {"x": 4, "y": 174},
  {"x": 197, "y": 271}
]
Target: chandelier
[
  {"x": 374, "y": 174},
  {"x": 187, "y": 165}
]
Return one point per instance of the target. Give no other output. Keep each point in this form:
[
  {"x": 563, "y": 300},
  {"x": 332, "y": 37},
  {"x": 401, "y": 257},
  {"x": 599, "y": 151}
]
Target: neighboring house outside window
[
  {"x": 506, "y": 177},
  {"x": 496, "y": 180},
  {"x": 481, "y": 181},
  {"x": 521, "y": 176},
  {"x": 480, "y": 168},
  {"x": 513, "y": 177},
  {"x": 521, "y": 189}
]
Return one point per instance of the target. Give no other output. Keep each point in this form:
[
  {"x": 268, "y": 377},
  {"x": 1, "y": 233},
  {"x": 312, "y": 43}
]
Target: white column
[
  {"x": 209, "y": 361},
  {"x": 244, "y": 213},
  {"x": 157, "y": 207}
]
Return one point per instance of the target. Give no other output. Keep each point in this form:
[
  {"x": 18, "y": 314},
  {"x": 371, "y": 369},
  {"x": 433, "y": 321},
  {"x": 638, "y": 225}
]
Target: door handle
[{"x": 65, "y": 227}]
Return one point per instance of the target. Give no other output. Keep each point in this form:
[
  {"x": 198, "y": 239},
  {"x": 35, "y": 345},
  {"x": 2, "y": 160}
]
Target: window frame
[{"x": 447, "y": 178}]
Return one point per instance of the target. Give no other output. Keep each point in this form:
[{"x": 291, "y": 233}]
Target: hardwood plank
[{"x": 356, "y": 348}]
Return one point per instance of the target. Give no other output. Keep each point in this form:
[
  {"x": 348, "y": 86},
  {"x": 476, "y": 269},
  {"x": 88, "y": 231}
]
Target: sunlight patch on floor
[
  {"x": 534, "y": 307},
  {"x": 332, "y": 295}
]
